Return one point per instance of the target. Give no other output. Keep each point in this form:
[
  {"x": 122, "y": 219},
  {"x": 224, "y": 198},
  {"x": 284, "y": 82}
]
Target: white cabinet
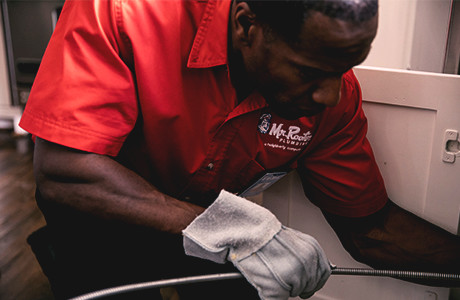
[{"x": 409, "y": 114}]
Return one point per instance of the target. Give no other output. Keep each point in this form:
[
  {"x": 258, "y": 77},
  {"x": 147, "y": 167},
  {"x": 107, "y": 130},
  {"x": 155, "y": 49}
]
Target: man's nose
[{"x": 327, "y": 91}]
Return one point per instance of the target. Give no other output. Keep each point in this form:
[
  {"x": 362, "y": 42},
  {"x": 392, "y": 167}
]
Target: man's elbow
[{"x": 50, "y": 163}]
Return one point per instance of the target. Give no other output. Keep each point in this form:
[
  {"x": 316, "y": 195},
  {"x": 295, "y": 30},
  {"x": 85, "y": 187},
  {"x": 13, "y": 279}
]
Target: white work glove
[{"x": 278, "y": 261}]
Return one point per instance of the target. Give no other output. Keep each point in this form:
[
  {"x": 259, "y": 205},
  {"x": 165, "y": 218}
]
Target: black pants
[{"x": 80, "y": 255}]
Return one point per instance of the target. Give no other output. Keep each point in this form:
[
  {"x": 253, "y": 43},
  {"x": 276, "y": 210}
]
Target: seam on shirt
[
  {"x": 118, "y": 11},
  {"x": 350, "y": 78},
  {"x": 199, "y": 38},
  {"x": 61, "y": 125}
]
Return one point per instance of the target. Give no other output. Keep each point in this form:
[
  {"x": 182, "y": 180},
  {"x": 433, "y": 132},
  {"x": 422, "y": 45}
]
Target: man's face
[{"x": 303, "y": 79}]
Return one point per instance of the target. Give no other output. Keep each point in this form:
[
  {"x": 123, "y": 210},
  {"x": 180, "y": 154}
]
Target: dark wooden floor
[{"x": 20, "y": 275}]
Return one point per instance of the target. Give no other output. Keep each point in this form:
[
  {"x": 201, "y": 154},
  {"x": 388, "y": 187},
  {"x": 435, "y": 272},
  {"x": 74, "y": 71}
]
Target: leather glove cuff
[{"x": 230, "y": 223}]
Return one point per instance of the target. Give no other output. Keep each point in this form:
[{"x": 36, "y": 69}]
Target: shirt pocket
[
  {"x": 243, "y": 179},
  {"x": 206, "y": 184}
]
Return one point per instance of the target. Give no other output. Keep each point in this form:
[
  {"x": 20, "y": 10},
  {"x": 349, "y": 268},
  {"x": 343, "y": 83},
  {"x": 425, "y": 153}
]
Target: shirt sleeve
[
  {"x": 341, "y": 175},
  {"x": 84, "y": 96}
]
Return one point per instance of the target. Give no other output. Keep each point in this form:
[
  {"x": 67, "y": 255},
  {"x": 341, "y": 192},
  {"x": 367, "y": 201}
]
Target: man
[{"x": 165, "y": 110}]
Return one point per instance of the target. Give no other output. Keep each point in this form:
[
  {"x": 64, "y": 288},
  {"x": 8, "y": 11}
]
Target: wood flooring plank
[{"x": 21, "y": 276}]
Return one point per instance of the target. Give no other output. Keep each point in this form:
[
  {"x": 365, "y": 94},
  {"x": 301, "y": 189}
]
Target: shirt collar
[{"x": 210, "y": 45}]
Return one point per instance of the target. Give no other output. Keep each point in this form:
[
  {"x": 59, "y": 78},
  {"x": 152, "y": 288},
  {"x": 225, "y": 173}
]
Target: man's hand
[
  {"x": 394, "y": 238},
  {"x": 278, "y": 261}
]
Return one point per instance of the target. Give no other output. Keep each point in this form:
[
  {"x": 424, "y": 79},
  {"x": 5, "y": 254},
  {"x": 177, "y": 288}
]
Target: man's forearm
[
  {"x": 396, "y": 239},
  {"x": 98, "y": 185}
]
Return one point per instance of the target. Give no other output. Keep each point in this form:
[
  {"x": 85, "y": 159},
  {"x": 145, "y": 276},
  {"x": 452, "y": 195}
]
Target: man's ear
[{"x": 243, "y": 22}]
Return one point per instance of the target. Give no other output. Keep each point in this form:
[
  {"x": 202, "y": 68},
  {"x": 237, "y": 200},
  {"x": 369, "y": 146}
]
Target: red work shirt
[{"x": 147, "y": 83}]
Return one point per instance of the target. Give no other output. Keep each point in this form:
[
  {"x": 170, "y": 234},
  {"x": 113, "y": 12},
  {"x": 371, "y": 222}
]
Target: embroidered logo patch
[
  {"x": 290, "y": 138},
  {"x": 287, "y": 137},
  {"x": 284, "y": 136},
  {"x": 264, "y": 123}
]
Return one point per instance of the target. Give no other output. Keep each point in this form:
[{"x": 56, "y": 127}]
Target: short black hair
[{"x": 285, "y": 17}]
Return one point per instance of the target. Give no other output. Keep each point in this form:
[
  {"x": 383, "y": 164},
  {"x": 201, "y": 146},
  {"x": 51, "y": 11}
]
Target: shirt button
[{"x": 210, "y": 166}]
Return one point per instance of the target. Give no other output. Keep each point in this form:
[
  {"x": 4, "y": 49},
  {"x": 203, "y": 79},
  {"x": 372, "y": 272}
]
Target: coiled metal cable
[
  {"x": 226, "y": 276},
  {"x": 396, "y": 274},
  {"x": 157, "y": 284}
]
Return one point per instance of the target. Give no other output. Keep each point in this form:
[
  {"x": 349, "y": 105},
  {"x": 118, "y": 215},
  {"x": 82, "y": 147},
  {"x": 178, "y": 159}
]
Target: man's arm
[
  {"x": 394, "y": 238},
  {"x": 98, "y": 185}
]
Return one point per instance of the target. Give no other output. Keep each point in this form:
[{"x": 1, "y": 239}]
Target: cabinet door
[
  {"x": 408, "y": 113},
  {"x": 414, "y": 118}
]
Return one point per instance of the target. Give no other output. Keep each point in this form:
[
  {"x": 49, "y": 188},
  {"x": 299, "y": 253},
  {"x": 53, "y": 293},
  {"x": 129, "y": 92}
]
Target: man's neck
[{"x": 238, "y": 75}]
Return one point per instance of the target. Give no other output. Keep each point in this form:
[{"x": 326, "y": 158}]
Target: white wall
[
  {"x": 412, "y": 35},
  {"x": 8, "y": 115},
  {"x": 393, "y": 44},
  {"x": 431, "y": 30},
  {"x": 4, "y": 82}
]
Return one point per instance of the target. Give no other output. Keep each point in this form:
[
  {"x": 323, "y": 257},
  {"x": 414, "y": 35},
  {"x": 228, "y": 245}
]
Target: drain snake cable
[{"x": 226, "y": 276}]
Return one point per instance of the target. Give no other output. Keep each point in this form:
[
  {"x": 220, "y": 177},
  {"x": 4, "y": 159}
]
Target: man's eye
[{"x": 317, "y": 74}]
